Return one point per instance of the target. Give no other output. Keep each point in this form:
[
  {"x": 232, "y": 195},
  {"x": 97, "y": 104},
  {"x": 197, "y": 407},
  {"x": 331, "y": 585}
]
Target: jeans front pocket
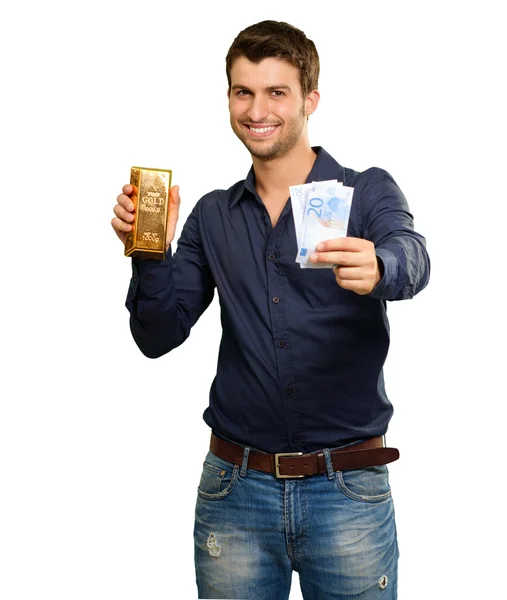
[
  {"x": 218, "y": 478},
  {"x": 365, "y": 485}
]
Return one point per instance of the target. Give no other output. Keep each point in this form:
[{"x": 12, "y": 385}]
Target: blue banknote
[
  {"x": 326, "y": 216},
  {"x": 299, "y": 195}
]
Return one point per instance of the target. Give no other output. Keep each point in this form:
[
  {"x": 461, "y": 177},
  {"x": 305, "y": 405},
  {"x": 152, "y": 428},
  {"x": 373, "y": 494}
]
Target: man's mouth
[{"x": 260, "y": 131}]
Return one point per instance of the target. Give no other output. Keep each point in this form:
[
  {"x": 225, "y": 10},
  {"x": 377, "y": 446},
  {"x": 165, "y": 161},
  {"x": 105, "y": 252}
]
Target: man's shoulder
[
  {"x": 331, "y": 169},
  {"x": 365, "y": 178}
]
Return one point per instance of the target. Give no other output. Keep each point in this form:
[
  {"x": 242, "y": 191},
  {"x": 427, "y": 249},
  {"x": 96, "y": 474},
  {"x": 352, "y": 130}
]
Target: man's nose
[{"x": 259, "y": 109}]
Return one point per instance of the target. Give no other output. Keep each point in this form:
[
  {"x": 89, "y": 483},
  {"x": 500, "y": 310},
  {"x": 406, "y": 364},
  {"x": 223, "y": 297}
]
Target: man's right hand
[{"x": 124, "y": 212}]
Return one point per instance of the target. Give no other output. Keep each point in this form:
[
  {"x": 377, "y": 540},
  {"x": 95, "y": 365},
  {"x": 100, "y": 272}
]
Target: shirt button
[
  {"x": 281, "y": 343},
  {"x": 288, "y": 391},
  {"x": 276, "y": 299},
  {"x": 149, "y": 276},
  {"x": 272, "y": 256}
]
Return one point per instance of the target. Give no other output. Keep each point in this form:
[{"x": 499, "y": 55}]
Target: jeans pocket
[
  {"x": 218, "y": 478},
  {"x": 365, "y": 485}
]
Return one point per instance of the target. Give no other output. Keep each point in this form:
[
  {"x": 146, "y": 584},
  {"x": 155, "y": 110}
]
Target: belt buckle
[{"x": 278, "y": 475}]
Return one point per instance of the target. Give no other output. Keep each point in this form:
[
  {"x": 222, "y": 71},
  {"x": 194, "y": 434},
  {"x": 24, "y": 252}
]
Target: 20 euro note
[
  {"x": 318, "y": 189},
  {"x": 326, "y": 217},
  {"x": 299, "y": 196}
]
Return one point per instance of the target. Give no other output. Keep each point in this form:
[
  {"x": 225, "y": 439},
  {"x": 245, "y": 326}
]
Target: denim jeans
[{"x": 337, "y": 530}]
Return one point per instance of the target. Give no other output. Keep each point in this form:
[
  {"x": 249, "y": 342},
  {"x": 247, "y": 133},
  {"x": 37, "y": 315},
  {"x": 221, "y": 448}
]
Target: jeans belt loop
[
  {"x": 244, "y": 464},
  {"x": 329, "y": 463}
]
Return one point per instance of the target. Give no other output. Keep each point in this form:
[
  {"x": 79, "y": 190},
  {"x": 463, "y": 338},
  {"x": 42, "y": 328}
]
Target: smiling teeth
[{"x": 262, "y": 129}]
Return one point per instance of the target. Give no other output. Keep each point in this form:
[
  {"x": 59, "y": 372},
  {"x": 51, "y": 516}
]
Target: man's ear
[{"x": 312, "y": 101}]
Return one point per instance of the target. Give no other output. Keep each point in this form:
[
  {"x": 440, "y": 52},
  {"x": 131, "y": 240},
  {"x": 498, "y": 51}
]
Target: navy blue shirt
[{"x": 300, "y": 361}]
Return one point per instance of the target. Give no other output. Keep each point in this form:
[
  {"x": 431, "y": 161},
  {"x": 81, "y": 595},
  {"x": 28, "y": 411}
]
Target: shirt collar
[{"x": 325, "y": 167}]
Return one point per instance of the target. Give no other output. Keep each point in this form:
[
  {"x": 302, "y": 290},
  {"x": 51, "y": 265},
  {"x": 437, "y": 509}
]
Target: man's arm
[
  {"x": 388, "y": 223},
  {"x": 389, "y": 261},
  {"x": 167, "y": 297}
]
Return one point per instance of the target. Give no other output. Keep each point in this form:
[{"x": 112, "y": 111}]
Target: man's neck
[{"x": 273, "y": 177}]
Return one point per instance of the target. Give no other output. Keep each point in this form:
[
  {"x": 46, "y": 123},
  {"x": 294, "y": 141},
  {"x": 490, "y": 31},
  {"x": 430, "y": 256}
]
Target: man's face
[{"x": 266, "y": 106}]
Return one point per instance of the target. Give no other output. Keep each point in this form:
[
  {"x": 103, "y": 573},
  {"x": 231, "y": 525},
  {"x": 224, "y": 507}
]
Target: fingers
[
  {"x": 126, "y": 202},
  {"x": 120, "y": 226},
  {"x": 346, "y": 259},
  {"x": 123, "y": 210},
  {"x": 350, "y": 273},
  {"x": 129, "y": 189},
  {"x": 353, "y": 279},
  {"x": 359, "y": 286},
  {"x": 345, "y": 244},
  {"x": 347, "y": 251},
  {"x": 123, "y": 214},
  {"x": 361, "y": 280}
]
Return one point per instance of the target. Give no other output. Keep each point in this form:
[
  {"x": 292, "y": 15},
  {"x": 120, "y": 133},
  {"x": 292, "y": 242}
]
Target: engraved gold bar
[{"x": 146, "y": 240}]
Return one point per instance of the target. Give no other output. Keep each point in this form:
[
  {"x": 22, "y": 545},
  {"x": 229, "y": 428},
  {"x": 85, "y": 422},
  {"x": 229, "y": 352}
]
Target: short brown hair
[{"x": 273, "y": 39}]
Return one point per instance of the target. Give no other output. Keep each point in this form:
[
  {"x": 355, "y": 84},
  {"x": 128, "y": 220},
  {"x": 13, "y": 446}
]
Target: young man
[{"x": 300, "y": 363}]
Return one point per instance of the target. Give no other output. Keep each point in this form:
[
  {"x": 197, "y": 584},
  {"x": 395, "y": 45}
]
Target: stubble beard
[{"x": 280, "y": 147}]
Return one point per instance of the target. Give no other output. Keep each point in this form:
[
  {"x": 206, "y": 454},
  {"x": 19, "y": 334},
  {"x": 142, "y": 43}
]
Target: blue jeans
[{"x": 337, "y": 530}]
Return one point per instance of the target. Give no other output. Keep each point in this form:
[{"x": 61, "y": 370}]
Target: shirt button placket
[{"x": 283, "y": 358}]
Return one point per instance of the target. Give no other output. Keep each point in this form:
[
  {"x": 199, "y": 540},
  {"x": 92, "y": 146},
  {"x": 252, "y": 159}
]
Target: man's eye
[
  {"x": 242, "y": 92},
  {"x": 278, "y": 93}
]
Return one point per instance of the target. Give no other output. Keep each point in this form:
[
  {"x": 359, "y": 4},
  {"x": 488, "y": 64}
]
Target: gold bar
[{"x": 151, "y": 201}]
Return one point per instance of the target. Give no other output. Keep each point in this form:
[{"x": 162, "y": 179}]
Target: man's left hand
[{"x": 354, "y": 261}]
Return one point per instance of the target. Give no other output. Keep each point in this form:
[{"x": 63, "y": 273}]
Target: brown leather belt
[{"x": 286, "y": 465}]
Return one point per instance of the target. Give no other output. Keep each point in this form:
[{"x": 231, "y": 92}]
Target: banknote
[
  {"x": 326, "y": 216},
  {"x": 299, "y": 197}
]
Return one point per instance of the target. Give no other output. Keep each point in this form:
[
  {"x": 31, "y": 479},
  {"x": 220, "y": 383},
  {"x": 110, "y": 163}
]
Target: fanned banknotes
[{"x": 321, "y": 212}]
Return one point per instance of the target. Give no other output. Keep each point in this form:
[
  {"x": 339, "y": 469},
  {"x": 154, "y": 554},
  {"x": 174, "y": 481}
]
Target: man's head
[
  {"x": 271, "y": 39},
  {"x": 272, "y": 71}
]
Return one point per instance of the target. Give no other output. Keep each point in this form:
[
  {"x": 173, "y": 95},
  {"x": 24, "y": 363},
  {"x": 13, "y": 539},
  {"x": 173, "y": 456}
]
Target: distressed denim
[{"x": 337, "y": 530}]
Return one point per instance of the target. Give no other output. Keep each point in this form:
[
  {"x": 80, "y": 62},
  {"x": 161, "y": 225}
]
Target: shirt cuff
[
  {"x": 149, "y": 280},
  {"x": 390, "y": 277},
  {"x": 145, "y": 269}
]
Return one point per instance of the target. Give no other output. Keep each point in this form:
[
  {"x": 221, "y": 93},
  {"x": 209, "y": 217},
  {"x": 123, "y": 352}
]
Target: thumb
[
  {"x": 173, "y": 212},
  {"x": 174, "y": 204},
  {"x": 174, "y": 195}
]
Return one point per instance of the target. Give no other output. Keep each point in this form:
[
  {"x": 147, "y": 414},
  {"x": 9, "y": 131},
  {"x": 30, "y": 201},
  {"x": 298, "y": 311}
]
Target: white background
[{"x": 100, "y": 447}]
